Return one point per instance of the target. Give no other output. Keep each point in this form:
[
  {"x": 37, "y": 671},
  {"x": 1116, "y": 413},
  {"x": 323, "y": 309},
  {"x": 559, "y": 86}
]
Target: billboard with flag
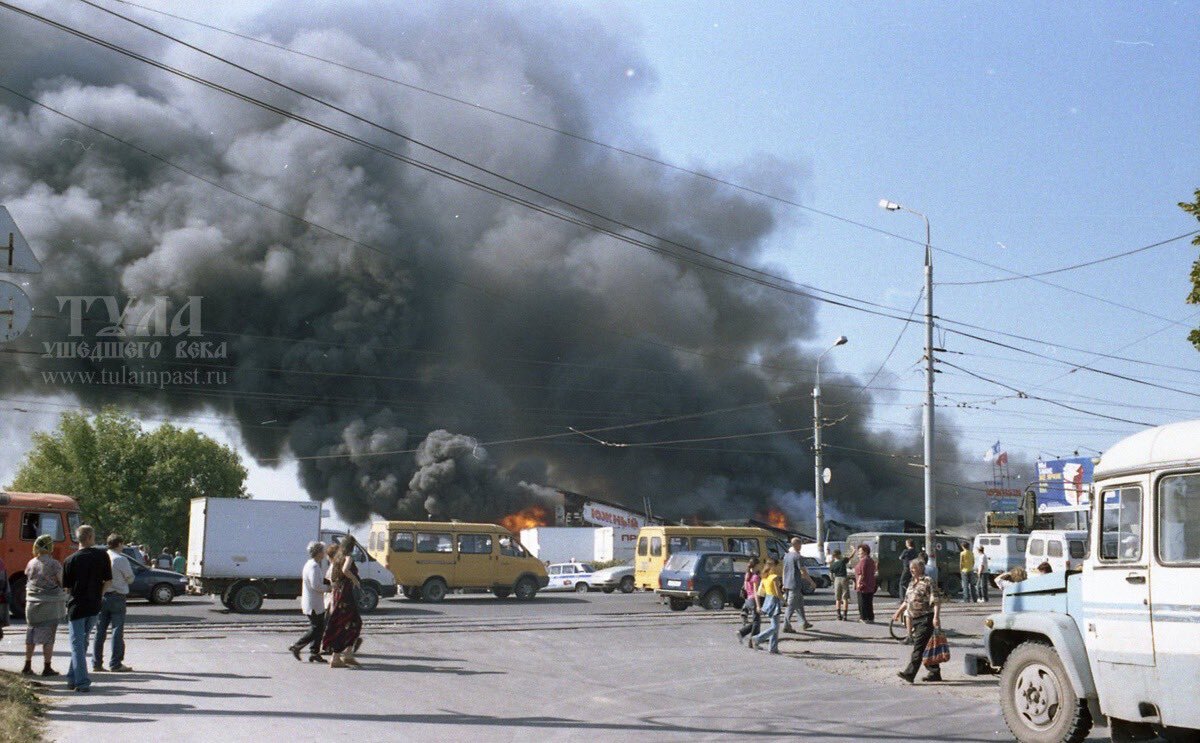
[{"x": 1064, "y": 484}]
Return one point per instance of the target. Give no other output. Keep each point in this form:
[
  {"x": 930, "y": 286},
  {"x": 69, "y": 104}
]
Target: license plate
[{"x": 674, "y": 583}]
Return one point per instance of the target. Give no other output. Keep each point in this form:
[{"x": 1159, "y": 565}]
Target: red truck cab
[{"x": 23, "y": 518}]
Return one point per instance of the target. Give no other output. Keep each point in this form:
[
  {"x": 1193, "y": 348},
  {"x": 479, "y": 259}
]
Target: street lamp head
[
  {"x": 891, "y": 206},
  {"x": 841, "y": 340}
]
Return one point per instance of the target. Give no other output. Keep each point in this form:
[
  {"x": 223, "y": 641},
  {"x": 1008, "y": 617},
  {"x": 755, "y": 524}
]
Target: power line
[
  {"x": 1047, "y": 400},
  {"x": 1073, "y": 266}
]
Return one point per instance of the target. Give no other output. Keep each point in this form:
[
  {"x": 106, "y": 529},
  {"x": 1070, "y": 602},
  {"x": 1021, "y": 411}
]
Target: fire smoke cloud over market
[{"x": 476, "y": 320}]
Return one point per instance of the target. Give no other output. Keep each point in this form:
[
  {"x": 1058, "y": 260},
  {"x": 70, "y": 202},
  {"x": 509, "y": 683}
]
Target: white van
[
  {"x": 810, "y": 550},
  {"x": 1004, "y": 551},
  {"x": 1064, "y": 550}
]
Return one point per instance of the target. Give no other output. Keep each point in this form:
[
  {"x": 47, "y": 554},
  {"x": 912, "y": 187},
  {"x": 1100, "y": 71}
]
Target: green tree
[
  {"x": 135, "y": 482},
  {"x": 1193, "y": 208}
]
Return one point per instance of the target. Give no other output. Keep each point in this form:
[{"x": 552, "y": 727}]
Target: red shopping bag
[{"x": 937, "y": 651}]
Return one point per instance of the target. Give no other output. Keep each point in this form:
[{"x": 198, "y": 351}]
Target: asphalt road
[{"x": 562, "y": 667}]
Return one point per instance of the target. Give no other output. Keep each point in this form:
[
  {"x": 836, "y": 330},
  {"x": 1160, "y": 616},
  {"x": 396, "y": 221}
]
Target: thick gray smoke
[{"x": 479, "y": 321}]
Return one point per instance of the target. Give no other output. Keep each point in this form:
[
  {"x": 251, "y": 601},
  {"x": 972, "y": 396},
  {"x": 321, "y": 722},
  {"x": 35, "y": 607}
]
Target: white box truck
[
  {"x": 560, "y": 543},
  {"x": 614, "y": 543},
  {"x": 246, "y": 550}
]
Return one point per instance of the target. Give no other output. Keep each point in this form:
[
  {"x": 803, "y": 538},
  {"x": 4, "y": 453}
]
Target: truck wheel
[
  {"x": 161, "y": 594},
  {"x": 581, "y": 587},
  {"x": 679, "y": 604},
  {"x": 246, "y": 598},
  {"x": 1038, "y": 701},
  {"x": 526, "y": 588},
  {"x": 18, "y": 597},
  {"x": 367, "y": 596},
  {"x": 626, "y": 585},
  {"x": 434, "y": 590},
  {"x": 501, "y": 593}
]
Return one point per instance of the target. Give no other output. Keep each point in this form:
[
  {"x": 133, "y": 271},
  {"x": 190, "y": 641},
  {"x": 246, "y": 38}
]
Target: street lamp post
[
  {"x": 818, "y": 480},
  {"x": 929, "y": 372}
]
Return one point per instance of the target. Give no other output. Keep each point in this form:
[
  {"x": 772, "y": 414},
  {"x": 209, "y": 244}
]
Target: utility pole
[
  {"x": 818, "y": 476},
  {"x": 891, "y": 206}
]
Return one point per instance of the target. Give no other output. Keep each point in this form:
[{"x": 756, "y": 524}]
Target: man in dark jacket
[
  {"x": 87, "y": 574},
  {"x": 794, "y": 577}
]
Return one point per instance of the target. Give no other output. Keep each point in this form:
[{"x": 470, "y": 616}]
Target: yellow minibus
[
  {"x": 429, "y": 558},
  {"x": 656, "y": 543}
]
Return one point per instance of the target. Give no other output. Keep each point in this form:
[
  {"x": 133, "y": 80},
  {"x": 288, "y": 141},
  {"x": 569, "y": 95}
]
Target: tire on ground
[
  {"x": 434, "y": 590},
  {"x": 525, "y": 588},
  {"x": 678, "y": 604},
  {"x": 161, "y": 593},
  {"x": 367, "y": 596},
  {"x": 246, "y": 598},
  {"x": 502, "y": 593},
  {"x": 1038, "y": 701},
  {"x": 627, "y": 585}
]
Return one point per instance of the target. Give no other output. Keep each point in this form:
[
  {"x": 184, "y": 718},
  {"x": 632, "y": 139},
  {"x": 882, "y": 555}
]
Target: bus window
[
  {"x": 744, "y": 545},
  {"x": 776, "y": 549},
  {"x": 434, "y": 543},
  {"x": 402, "y": 541},
  {"x": 1054, "y": 548},
  {"x": 642, "y": 546},
  {"x": 676, "y": 544},
  {"x": 656, "y": 546},
  {"x": 33, "y": 525},
  {"x": 711, "y": 544},
  {"x": 1037, "y": 548}
]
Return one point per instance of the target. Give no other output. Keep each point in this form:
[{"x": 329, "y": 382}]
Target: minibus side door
[{"x": 1175, "y": 596}]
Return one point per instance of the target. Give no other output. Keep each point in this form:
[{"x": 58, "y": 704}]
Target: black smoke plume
[{"x": 476, "y": 320}]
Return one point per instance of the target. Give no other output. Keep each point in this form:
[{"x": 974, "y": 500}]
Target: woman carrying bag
[{"x": 923, "y": 608}]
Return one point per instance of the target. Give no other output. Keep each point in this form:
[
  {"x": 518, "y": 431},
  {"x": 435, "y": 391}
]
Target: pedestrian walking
[
  {"x": 795, "y": 578},
  {"x": 923, "y": 609},
  {"x": 841, "y": 584},
  {"x": 112, "y": 609},
  {"x": 752, "y": 606},
  {"x": 865, "y": 574},
  {"x": 45, "y": 604},
  {"x": 164, "y": 559},
  {"x": 312, "y": 603},
  {"x": 179, "y": 564},
  {"x": 982, "y": 576},
  {"x": 772, "y": 607},
  {"x": 345, "y": 624},
  {"x": 966, "y": 572},
  {"x": 909, "y": 554},
  {"x": 86, "y": 576}
]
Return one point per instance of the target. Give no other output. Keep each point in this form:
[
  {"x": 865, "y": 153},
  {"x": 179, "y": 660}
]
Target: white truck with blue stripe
[{"x": 1121, "y": 638}]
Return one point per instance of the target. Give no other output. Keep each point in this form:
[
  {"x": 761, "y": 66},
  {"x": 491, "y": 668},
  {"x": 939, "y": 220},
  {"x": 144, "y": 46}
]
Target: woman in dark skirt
[{"x": 345, "y": 623}]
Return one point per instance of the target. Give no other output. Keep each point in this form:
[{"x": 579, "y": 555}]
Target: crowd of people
[{"x": 774, "y": 589}]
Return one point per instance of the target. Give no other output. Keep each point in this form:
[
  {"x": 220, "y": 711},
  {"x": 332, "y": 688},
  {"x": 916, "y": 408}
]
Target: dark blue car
[
  {"x": 707, "y": 579},
  {"x": 155, "y": 585}
]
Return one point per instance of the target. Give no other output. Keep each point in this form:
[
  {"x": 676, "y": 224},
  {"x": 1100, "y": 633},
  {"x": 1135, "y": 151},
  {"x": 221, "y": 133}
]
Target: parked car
[
  {"x": 618, "y": 577},
  {"x": 707, "y": 579},
  {"x": 818, "y": 571},
  {"x": 155, "y": 585},
  {"x": 570, "y": 576}
]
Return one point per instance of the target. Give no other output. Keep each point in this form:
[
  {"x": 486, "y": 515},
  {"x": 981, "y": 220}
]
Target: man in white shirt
[
  {"x": 312, "y": 603},
  {"x": 983, "y": 568},
  {"x": 112, "y": 609}
]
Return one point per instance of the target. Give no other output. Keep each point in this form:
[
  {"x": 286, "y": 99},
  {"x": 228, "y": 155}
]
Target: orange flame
[
  {"x": 526, "y": 518},
  {"x": 775, "y": 518}
]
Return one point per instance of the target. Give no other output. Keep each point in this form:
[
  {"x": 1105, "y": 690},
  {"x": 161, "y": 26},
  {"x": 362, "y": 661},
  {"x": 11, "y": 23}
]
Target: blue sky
[{"x": 1033, "y": 135}]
